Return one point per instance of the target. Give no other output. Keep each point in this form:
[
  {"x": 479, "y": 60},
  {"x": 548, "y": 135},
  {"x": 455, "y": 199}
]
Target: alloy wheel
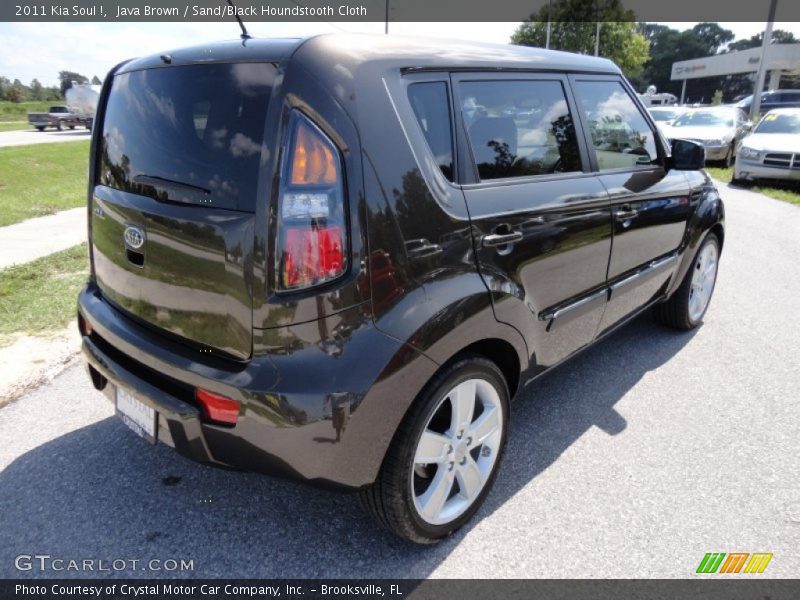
[
  {"x": 457, "y": 451},
  {"x": 703, "y": 279}
]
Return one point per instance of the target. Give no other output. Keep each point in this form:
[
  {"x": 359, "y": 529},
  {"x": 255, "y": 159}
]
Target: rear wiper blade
[{"x": 174, "y": 191}]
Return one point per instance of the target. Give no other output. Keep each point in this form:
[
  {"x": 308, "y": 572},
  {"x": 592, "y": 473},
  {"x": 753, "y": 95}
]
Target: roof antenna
[{"x": 245, "y": 35}]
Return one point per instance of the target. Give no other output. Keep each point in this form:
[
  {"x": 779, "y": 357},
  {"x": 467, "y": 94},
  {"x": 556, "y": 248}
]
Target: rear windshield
[{"x": 189, "y": 134}]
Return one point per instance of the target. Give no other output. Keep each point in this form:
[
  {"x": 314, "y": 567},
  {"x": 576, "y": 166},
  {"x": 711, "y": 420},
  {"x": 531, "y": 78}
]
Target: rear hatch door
[{"x": 174, "y": 201}]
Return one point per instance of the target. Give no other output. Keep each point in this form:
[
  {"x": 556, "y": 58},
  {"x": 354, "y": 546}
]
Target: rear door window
[
  {"x": 431, "y": 106},
  {"x": 190, "y": 134},
  {"x": 519, "y": 128},
  {"x": 620, "y": 134}
]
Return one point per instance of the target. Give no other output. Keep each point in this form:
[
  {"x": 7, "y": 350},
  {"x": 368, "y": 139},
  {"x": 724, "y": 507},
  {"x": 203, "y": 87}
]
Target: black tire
[
  {"x": 40, "y": 127},
  {"x": 390, "y": 499},
  {"x": 727, "y": 162},
  {"x": 60, "y": 125},
  {"x": 674, "y": 312}
]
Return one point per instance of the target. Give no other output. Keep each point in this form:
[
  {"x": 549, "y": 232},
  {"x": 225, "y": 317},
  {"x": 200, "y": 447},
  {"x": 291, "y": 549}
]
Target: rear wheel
[
  {"x": 687, "y": 306},
  {"x": 444, "y": 456}
]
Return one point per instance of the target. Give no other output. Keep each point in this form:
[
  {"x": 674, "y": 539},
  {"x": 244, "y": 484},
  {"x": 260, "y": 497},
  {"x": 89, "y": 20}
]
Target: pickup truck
[{"x": 58, "y": 117}]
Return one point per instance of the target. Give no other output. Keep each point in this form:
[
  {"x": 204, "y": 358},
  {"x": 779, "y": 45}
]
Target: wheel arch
[{"x": 498, "y": 351}]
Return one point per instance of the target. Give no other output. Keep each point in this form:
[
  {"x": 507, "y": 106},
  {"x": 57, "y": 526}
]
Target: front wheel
[
  {"x": 444, "y": 456},
  {"x": 687, "y": 306},
  {"x": 727, "y": 162}
]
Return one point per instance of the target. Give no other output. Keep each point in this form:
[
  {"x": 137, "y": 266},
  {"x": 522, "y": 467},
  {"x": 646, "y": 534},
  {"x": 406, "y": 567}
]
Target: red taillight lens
[
  {"x": 311, "y": 254},
  {"x": 217, "y": 408},
  {"x": 312, "y": 232}
]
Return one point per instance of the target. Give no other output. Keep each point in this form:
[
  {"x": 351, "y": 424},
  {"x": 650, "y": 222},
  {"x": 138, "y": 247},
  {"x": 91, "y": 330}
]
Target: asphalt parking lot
[
  {"x": 633, "y": 460},
  {"x": 32, "y": 136}
]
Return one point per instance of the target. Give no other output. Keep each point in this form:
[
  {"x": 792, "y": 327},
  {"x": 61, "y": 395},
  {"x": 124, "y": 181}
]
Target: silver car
[
  {"x": 719, "y": 129},
  {"x": 772, "y": 151},
  {"x": 664, "y": 116}
]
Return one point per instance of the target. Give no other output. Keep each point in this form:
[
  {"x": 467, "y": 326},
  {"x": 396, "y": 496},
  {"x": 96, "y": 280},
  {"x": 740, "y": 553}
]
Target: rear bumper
[
  {"x": 291, "y": 402},
  {"x": 746, "y": 169}
]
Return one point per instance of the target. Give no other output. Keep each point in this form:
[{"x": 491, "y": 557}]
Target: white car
[
  {"x": 718, "y": 129},
  {"x": 772, "y": 151},
  {"x": 664, "y": 116}
]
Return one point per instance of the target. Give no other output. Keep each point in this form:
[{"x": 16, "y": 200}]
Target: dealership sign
[{"x": 779, "y": 57}]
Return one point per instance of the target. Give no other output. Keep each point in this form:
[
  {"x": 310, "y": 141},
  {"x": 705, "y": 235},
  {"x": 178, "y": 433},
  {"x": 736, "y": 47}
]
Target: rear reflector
[
  {"x": 217, "y": 408},
  {"x": 84, "y": 326}
]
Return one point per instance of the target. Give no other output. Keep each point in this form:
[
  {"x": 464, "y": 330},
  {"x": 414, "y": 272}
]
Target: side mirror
[{"x": 687, "y": 156}]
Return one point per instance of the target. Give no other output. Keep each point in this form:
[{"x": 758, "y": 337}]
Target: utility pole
[
  {"x": 597, "y": 30},
  {"x": 549, "y": 17},
  {"x": 597, "y": 40},
  {"x": 755, "y": 105}
]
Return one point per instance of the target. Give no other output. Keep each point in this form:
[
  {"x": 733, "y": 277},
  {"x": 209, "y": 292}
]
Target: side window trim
[
  {"x": 468, "y": 173},
  {"x": 661, "y": 149}
]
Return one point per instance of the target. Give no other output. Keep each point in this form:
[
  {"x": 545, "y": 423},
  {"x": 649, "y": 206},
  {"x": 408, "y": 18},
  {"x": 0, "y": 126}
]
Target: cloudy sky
[{"x": 41, "y": 50}]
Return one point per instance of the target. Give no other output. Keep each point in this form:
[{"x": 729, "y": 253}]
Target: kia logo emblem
[{"x": 134, "y": 237}]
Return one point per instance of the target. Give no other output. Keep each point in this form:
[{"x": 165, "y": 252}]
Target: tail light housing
[{"x": 312, "y": 237}]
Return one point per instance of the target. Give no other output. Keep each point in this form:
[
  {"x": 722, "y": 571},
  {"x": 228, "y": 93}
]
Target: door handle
[
  {"x": 494, "y": 240},
  {"x": 626, "y": 213}
]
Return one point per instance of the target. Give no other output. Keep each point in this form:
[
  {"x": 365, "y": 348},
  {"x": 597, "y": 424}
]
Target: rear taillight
[
  {"x": 217, "y": 408},
  {"x": 312, "y": 231},
  {"x": 84, "y": 326}
]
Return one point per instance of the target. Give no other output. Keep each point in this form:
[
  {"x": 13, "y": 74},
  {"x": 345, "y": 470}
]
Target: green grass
[
  {"x": 40, "y": 296},
  {"x": 42, "y": 179},
  {"x": 787, "y": 192},
  {"x": 18, "y": 111},
  {"x": 14, "y": 125}
]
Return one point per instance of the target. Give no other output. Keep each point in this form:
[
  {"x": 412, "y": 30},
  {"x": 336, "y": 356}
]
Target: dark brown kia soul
[{"x": 337, "y": 259}]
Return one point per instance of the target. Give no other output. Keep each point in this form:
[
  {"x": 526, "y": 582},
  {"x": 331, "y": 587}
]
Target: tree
[
  {"x": 669, "y": 45},
  {"x": 52, "y": 93},
  {"x": 711, "y": 35},
  {"x": 779, "y": 36},
  {"x": 17, "y": 92},
  {"x": 37, "y": 91},
  {"x": 574, "y": 26},
  {"x": 67, "y": 77}
]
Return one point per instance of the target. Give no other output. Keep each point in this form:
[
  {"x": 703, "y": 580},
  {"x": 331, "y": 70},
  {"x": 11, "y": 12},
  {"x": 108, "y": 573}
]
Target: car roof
[{"x": 390, "y": 51}]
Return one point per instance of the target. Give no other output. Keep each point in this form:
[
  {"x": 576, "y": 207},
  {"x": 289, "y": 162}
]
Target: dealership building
[{"x": 780, "y": 58}]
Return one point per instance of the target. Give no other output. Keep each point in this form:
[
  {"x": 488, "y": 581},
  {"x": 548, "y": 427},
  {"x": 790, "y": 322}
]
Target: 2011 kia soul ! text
[{"x": 337, "y": 259}]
